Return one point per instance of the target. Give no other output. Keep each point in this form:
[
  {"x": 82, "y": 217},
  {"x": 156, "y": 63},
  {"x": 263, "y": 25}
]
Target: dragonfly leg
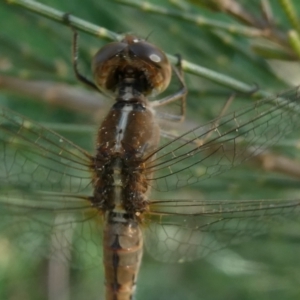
[
  {"x": 67, "y": 20},
  {"x": 79, "y": 76},
  {"x": 215, "y": 124},
  {"x": 180, "y": 94}
]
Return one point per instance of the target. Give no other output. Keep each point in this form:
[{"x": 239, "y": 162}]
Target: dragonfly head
[{"x": 134, "y": 62}]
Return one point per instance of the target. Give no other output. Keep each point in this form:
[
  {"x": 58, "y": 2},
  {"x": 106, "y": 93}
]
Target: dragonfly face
[
  {"x": 113, "y": 63},
  {"x": 52, "y": 187}
]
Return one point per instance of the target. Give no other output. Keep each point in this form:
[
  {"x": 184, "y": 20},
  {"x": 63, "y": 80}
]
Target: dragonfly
[{"x": 51, "y": 187}]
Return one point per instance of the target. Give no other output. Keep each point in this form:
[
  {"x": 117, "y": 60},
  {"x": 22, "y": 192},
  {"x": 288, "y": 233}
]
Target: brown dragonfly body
[
  {"x": 43, "y": 175},
  {"x": 127, "y": 136},
  {"x": 123, "y": 142}
]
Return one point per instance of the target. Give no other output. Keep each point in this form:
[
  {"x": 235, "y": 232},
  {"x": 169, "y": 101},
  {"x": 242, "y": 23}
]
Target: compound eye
[
  {"x": 106, "y": 53},
  {"x": 149, "y": 52},
  {"x": 101, "y": 62},
  {"x": 156, "y": 58}
]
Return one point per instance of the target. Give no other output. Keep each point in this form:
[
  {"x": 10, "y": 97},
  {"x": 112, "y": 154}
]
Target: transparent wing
[
  {"x": 34, "y": 157},
  {"x": 59, "y": 226},
  {"x": 209, "y": 150},
  {"x": 180, "y": 231},
  {"x": 45, "y": 181}
]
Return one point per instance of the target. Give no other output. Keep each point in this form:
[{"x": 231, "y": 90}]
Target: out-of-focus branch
[
  {"x": 54, "y": 93},
  {"x": 278, "y": 163}
]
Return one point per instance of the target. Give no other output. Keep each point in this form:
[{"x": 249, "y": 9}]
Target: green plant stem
[
  {"x": 195, "y": 19},
  {"x": 102, "y": 32},
  {"x": 60, "y": 17},
  {"x": 294, "y": 40},
  {"x": 290, "y": 12}
]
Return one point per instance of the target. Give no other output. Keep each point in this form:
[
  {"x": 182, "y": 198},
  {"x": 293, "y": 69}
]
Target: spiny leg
[
  {"x": 79, "y": 76},
  {"x": 180, "y": 94}
]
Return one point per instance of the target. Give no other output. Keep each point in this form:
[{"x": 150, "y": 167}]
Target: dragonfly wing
[
  {"x": 55, "y": 225},
  {"x": 45, "y": 181},
  {"x": 181, "y": 231},
  {"x": 209, "y": 150},
  {"x": 34, "y": 157}
]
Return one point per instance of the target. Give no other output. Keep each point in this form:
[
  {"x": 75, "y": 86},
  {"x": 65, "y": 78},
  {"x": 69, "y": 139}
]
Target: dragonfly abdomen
[{"x": 122, "y": 255}]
